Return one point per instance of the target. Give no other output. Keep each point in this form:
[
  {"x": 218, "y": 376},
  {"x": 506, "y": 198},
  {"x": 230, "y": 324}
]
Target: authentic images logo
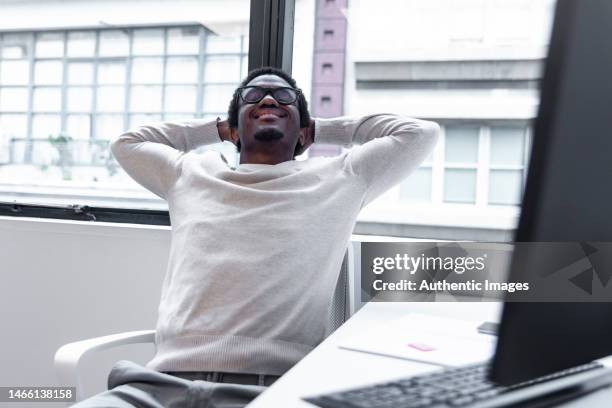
[{"x": 412, "y": 264}]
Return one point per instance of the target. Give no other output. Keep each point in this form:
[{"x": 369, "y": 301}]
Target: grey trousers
[{"x": 131, "y": 385}]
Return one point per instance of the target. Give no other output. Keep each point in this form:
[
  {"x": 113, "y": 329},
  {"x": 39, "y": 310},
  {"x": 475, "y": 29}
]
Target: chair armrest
[{"x": 69, "y": 356}]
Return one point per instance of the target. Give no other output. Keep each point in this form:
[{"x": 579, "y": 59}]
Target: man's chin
[{"x": 268, "y": 134}]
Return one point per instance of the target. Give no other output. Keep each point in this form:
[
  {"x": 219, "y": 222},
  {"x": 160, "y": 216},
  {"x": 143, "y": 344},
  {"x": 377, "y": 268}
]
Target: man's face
[{"x": 267, "y": 126}]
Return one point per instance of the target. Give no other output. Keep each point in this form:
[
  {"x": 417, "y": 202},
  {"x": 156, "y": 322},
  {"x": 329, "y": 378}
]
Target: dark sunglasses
[{"x": 282, "y": 95}]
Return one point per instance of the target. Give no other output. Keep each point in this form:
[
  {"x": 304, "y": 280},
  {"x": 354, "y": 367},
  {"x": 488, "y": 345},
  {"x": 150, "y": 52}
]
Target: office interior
[{"x": 84, "y": 248}]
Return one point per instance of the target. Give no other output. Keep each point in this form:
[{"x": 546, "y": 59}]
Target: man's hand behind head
[
  {"x": 223, "y": 128},
  {"x": 308, "y": 135}
]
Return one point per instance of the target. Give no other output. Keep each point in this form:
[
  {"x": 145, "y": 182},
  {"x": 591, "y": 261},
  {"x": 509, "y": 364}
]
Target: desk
[{"x": 328, "y": 368}]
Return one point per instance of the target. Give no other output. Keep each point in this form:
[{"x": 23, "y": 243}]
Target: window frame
[
  {"x": 483, "y": 166},
  {"x": 270, "y": 44}
]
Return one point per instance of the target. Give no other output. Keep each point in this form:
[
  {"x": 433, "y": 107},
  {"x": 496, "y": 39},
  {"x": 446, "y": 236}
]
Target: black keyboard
[{"x": 455, "y": 387}]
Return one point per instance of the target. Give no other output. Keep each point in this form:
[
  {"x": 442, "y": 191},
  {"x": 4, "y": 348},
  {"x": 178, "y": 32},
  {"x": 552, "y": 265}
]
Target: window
[
  {"x": 470, "y": 65},
  {"x": 469, "y": 173},
  {"x": 507, "y": 164},
  {"x": 91, "y": 85},
  {"x": 461, "y": 163}
]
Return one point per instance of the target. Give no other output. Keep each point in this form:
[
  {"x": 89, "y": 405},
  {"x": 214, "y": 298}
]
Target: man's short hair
[{"x": 302, "y": 105}]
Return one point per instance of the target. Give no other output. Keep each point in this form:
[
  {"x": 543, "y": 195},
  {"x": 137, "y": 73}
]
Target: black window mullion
[
  {"x": 164, "y": 68},
  {"x": 28, "y": 147},
  {"x": 201, "y": 72},
  {"x": 64, "y": 86},
  {"x": 271, "y": 34},
  {"x": 94, "y": 89},
  {"x": 128, "y": 81}
]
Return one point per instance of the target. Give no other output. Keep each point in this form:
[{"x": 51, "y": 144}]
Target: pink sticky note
[{"x": 421, "y": 346}]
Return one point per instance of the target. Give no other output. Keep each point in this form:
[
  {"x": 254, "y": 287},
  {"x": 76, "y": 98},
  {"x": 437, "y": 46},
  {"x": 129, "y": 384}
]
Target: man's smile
[{"x": 268, "y": 114}]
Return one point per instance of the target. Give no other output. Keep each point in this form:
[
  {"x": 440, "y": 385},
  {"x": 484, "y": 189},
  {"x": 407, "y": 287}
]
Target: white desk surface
[{"x": 328, "y": 368}]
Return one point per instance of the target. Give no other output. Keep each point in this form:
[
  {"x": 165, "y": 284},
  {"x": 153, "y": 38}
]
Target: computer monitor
[{"x": 568, "y": 195}]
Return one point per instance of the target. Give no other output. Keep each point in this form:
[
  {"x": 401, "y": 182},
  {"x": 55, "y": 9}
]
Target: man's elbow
[
  {"x": 431, "y": 128},
  {"x": 430, "y": 131},
  {"x": 119, "y": 143}
]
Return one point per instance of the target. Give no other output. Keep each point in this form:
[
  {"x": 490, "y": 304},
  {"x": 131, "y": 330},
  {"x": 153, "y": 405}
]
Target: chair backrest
[{"x": 339, "y": 308}]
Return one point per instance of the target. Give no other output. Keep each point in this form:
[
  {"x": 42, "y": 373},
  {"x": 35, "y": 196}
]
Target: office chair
[{"x": 69, "y": 356}]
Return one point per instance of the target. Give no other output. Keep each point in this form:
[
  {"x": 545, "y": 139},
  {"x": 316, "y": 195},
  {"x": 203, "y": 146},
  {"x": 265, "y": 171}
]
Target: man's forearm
[
  {"x": 183, "y": 136},
  {"x": 151, "y": 154},
  {"x": 347, "y": 131}
]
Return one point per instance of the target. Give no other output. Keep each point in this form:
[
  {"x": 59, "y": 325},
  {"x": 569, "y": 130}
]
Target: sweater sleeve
[
  {"x": 385, "y": 148},
  {"x": 152, "y": 155}
]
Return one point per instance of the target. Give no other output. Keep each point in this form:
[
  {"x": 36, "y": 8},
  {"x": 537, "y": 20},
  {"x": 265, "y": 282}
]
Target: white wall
[{"x": 63, "y": 281}]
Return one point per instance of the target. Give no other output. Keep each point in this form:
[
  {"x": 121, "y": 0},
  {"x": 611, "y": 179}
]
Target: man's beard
[{"x": 265, "y": 135}]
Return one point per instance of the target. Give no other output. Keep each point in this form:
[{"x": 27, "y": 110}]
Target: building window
[
  {"x": 461, "y": 163},
  {"x": 506, "y": 163},
  {"x": 91, "y": 85},
  {"x": 473, "y": 164}
]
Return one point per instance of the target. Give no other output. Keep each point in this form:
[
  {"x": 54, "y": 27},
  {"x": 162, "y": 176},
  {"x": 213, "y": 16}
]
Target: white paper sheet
[{"x": 428, "y": 339}]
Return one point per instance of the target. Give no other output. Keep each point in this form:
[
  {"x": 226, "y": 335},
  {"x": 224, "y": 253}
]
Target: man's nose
[{"x": 268, "y": 100}]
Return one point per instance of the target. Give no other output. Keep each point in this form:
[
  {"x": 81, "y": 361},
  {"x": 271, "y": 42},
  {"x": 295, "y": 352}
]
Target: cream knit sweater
[{"x": 256, "y": 250}]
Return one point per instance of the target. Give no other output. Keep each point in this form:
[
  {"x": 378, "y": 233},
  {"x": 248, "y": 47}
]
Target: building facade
[{"x": 471, "y": 65}]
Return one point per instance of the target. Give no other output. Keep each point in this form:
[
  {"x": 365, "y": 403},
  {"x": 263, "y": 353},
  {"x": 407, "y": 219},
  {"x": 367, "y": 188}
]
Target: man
[{"x": 256, "y": 250}]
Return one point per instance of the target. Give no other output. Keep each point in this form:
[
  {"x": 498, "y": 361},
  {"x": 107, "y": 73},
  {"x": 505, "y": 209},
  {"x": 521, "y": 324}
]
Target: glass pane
[
  {"x": 184, "y": 40},
  {"x": 148, "y": 42},
  {"x": 78, "y": 126},
  {"x": 140, "y": 119},
  {"x": 222, "y": 69},
  {"x": 182, "y": 70},
  {"x": 244, "y": 67},
  {"x": 79, "y": 99},
  {"x": 145, "y": 99},
  {"x": 109, "y": 126},
  {"x": 81, "y": 44},
  {"x": 459, "y": 186},
  {"x": 111, "y": 72},
  {"x": 17, "y": 151},
  {"x": 50, "y": 45},
  {"x": 461, "y": 144},
  {"x": 45, "y": 125},
  {"x": 48, "y": 72},
  {"x": 505, "y": 187},
  {"x": 13, "y": 99},
  {"x": 78, "y": 83},
  {"x": 11, "y": 127},
  {"x": 43, "y": 153},
  {"x": 47, "y": 99},
  {"x": 80, "y": 73},
  {"x": 217, "y": 97},
  {"x": 180, "y": 99},
  {"x": 222, "y": 44},
  {"x": 147, "y": 70},
  {"x": 507, "y": 145},
  {"x": 16, "y": 46},
  {"x": 417, "y": 187},
  {"x": 110, "y": 99},
  {"x": 14, "y": 72},
  {"x": 114, "y": 43}
]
